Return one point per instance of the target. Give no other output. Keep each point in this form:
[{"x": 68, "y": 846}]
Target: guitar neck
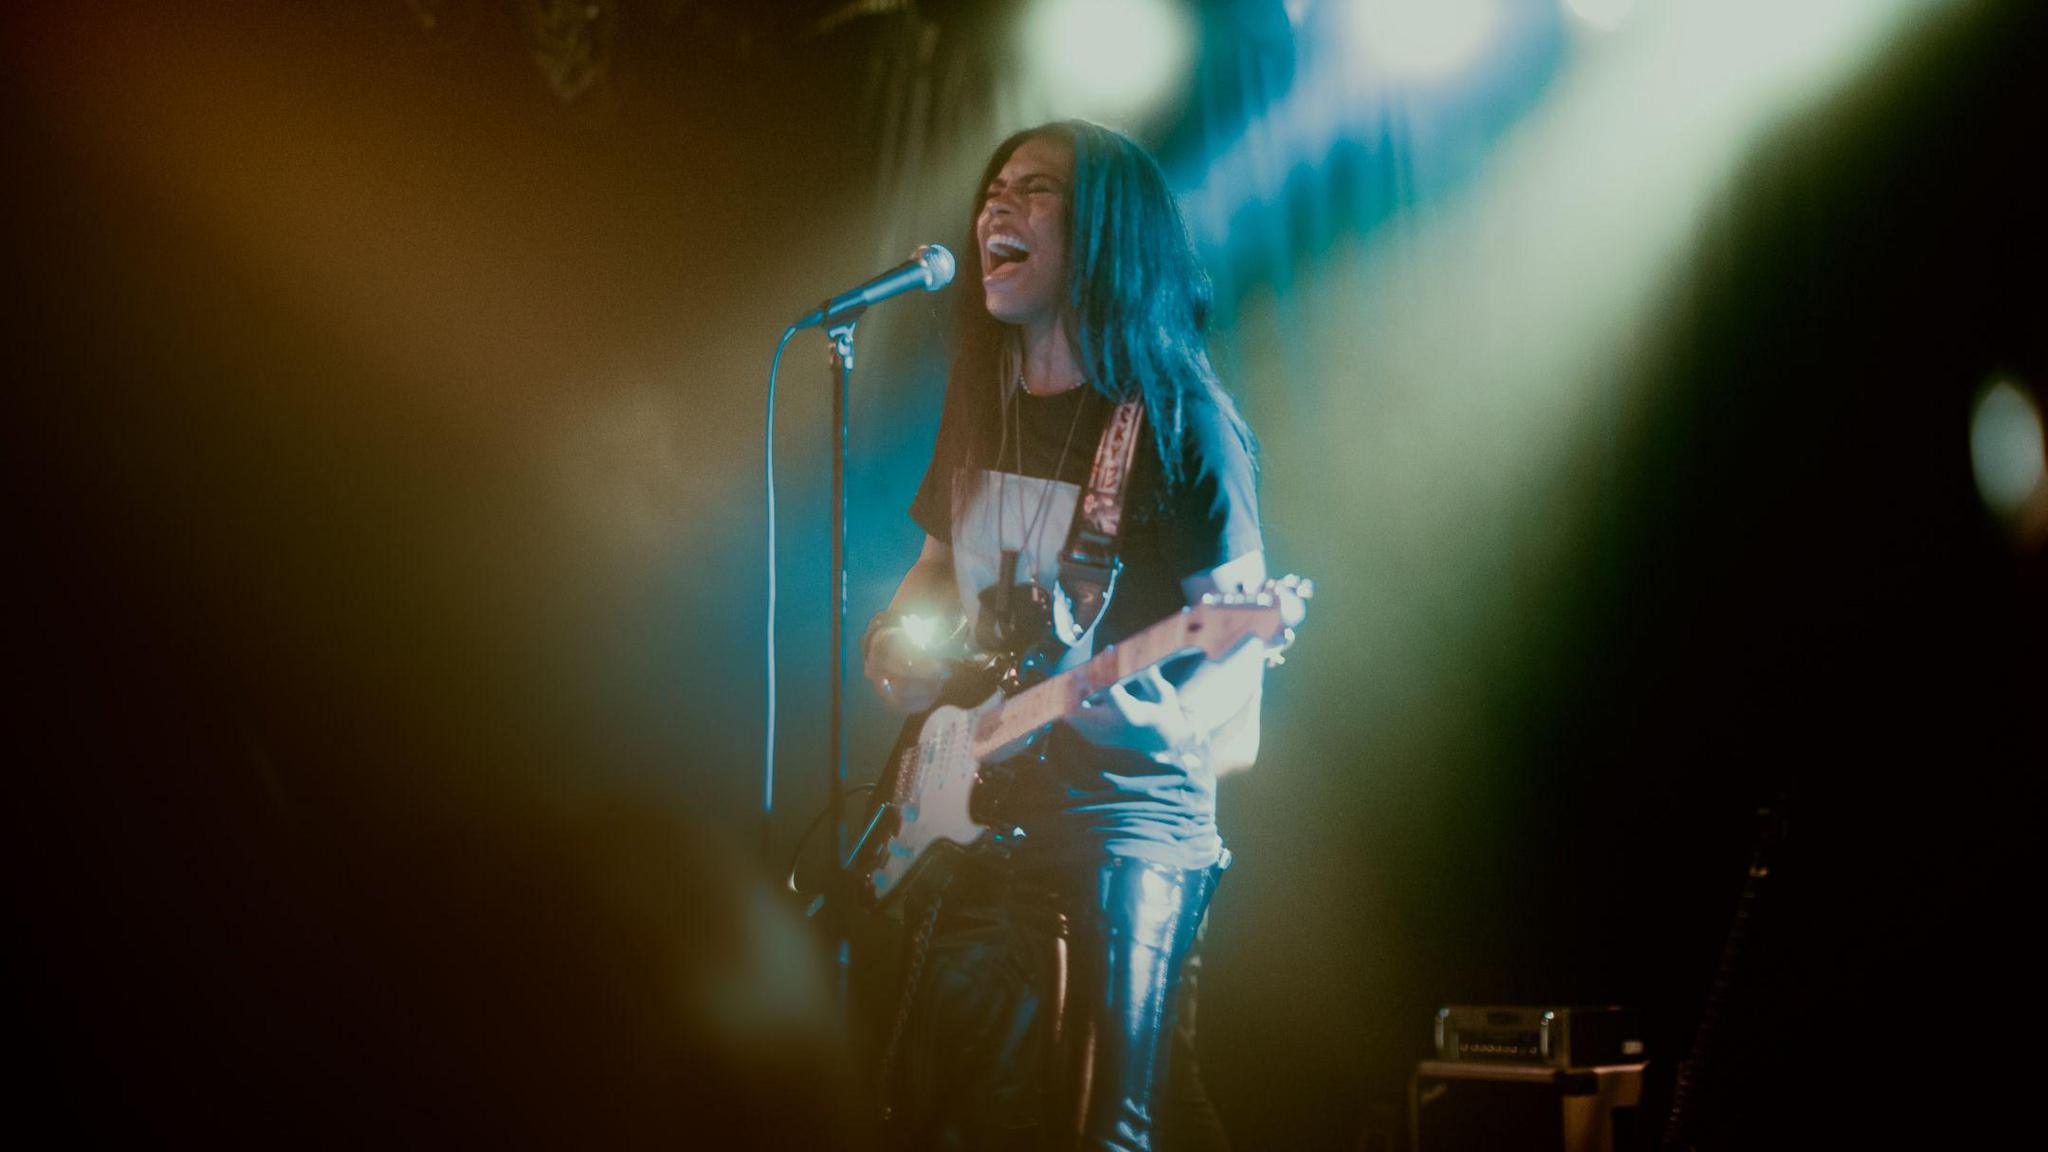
[{"x": 1061, "y": 696}]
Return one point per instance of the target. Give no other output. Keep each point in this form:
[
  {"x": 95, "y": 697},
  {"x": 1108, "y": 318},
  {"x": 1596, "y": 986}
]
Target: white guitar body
[
  {"x": 935, "y": 779},
  {"x": 925, "y": 799}
]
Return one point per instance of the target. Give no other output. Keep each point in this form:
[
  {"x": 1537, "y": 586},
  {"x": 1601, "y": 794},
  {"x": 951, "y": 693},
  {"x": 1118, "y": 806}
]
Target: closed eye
[{"x": 1032, "y": 186}]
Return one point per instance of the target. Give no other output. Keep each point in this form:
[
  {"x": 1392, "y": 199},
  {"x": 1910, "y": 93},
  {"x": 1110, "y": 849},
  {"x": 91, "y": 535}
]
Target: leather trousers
[{"x": 1043, "y": 1009}]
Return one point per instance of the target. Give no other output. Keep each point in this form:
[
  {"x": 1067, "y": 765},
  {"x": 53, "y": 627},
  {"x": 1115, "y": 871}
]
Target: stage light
[
  {"x": 1604, "y": 15},
  {"x": 2006, "y": 448},
  {"x": 1421, "y": 39},
  {"x": 1107, "y": 58}
]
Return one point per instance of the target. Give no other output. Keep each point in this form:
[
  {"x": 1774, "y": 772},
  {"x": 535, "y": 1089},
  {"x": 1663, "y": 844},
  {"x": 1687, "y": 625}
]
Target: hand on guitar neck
[{"x": 1206, "y": 707}]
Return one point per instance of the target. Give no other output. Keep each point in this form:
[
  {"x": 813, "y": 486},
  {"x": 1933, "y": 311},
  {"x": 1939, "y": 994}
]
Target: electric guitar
[{"x": 924, "y": 796}]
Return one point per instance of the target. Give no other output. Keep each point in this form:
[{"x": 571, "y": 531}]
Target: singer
[{"x": 1044, "y": 985}]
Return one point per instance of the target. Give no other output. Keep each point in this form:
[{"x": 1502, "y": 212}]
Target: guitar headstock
[{"x": 1270, "y": 612}]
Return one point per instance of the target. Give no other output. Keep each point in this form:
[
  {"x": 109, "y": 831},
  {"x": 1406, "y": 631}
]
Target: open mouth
[{"x": 1002, "y": 251}]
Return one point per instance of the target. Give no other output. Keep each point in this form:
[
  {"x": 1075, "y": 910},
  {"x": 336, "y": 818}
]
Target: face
[{"x": 1022, "y": 233}]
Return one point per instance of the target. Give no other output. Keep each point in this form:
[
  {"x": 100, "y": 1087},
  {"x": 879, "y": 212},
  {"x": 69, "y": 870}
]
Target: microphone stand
[
  {"x": 841, "y": 336},
  {"x": 931, "y": 268}
]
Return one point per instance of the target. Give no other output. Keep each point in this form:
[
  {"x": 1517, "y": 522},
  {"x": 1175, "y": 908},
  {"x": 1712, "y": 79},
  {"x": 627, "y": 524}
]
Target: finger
[
  {"x": 1135, "y": 708},
  {"x": 1152, "y": 685},
  {"x": 905, "y": 663},
  {"x": 1164, "y": 718},
  {"x": 914, "y": 695}
]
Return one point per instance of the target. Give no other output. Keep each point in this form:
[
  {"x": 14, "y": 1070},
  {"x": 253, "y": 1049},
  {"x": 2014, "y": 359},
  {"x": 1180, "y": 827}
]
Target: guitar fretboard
[{"x": 1057, "y": 698}]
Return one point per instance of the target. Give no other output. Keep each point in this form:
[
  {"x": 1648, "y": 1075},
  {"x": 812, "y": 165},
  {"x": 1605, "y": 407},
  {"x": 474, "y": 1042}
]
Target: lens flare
[
  {"x": 921, "y": 630},
  {"x": 1107, "y": 58},
  {"x": 2006, "y": 449}
]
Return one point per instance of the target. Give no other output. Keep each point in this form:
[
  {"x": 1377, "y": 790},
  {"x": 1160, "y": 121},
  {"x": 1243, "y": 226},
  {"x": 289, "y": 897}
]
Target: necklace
[{"x": 1015, "y": 418}]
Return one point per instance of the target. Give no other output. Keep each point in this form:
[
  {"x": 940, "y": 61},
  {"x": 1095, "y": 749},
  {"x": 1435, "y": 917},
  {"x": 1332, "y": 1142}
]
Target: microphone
[{"x": 929, "y": 268}]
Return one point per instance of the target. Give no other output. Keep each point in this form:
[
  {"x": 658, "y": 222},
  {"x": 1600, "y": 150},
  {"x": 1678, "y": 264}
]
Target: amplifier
[
  {"x": 1559, "y": 1037},
  {"x": 1482, "y": 1106}
]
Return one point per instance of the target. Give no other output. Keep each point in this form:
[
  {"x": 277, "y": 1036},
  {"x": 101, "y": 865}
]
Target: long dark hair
[{"x": 1137, "y": 299}]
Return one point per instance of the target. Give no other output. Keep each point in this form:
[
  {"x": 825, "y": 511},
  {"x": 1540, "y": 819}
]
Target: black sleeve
[{"x": 1212, "y": 515}]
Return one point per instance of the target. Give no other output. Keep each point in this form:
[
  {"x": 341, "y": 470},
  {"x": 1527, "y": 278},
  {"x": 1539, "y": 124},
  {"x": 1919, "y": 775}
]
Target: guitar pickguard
[{"x": 932, "y": 785}]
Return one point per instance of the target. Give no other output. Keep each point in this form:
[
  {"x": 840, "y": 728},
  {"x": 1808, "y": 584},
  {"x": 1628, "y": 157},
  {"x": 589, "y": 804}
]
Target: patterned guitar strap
[{"x": 1089, "y": 564}]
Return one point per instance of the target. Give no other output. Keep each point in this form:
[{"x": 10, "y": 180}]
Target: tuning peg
[{"x": 1297, "y": 585}]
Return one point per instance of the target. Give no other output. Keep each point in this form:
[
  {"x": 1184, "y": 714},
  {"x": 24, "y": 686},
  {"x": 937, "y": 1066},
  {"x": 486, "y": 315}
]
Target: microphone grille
[{"x": 938, "y": 266}]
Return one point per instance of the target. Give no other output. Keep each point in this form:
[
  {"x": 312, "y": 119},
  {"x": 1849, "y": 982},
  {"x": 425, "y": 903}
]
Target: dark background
[{"x": 383, "y": 432}]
